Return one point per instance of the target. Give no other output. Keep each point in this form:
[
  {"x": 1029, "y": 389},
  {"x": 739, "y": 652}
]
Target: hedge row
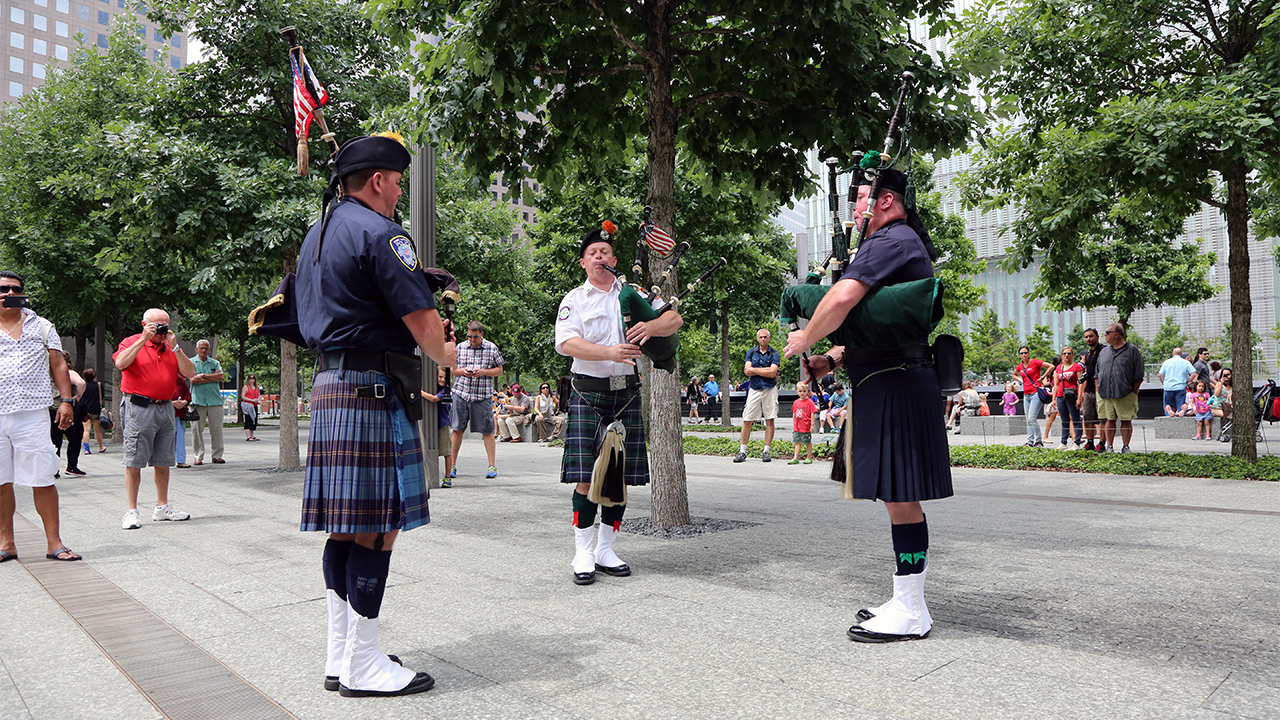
[
  {"x": 1025, "y": 458},
  {"x": 1153, "y": 463}
]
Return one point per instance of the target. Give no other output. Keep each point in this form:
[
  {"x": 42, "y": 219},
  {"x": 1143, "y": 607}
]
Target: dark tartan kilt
[
  {"x": 365, "y": 469},
  {"x": 900, "y": 449},
  {"x": 580, "y": 437}
]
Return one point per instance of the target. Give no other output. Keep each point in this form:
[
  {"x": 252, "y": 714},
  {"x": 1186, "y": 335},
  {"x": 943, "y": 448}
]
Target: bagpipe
[
  {"x": 641, "y": 304},
  {"x": 889, "y": 317}
]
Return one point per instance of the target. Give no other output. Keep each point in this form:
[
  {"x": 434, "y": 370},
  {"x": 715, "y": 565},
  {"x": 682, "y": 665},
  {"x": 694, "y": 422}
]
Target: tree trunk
[
  {"x": 1242, "y": 433},
  {"x": 726, "y": 405},
  {"x": 666, "y": 441},
  {"x": 240, "y": 372},
  {"x": 289, "y": 406},
  {"x": 82, "y": 348},
  {"x": 117, "y": 430}
]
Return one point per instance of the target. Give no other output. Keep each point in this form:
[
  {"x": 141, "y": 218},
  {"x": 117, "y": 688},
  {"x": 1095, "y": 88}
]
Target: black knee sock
[
  {"x": 584, "y": 511},
  {"x": 612, "y": 515},
  {"x": 336, "y": 553},
  {"x": 910, "y": 546},
  {"x": 367, "y": 572}
]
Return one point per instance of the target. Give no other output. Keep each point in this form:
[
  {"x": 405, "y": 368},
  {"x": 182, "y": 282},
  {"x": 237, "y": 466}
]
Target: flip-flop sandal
[
  {"x": 62, "y": 551},
  {"x": 6, "y": 557}
]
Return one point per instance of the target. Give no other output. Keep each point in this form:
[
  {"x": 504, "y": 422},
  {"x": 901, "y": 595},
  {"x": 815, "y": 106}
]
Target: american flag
[
  {"x": 658, "y": 239},
  {"x": 308, "y": 95}
]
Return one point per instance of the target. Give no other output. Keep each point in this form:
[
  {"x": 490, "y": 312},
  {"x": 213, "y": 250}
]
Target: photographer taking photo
[{"x": 149, "y": 369}]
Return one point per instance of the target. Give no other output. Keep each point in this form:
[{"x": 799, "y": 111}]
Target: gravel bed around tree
[{"x": 697, "y": 526}]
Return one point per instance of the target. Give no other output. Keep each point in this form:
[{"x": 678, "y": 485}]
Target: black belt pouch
[
  {"x": 406, "y": 370},
  {"x": 948, "y": 361}
]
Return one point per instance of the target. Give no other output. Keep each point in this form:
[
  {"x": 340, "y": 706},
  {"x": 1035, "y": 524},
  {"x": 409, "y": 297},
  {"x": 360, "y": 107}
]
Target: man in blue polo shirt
[
  {"x": 761, "y": 369},
  {"x": 1174, "y": 373}
]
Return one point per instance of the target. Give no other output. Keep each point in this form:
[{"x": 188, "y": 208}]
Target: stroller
[{"x": 1266, "y": 403}]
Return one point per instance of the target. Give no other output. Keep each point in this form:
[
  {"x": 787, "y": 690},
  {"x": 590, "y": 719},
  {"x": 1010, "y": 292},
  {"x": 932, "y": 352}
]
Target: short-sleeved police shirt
[
  {"x": 367, "y": 278},
  {"x": 891, "y": 255}
]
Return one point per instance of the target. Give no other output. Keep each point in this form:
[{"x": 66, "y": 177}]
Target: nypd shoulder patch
[
  {"x": 403, "y": 248},
  {"x": 564, "y": 312}
]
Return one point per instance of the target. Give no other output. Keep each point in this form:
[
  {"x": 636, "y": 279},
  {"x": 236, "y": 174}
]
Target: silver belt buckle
[
  {"x": 617, "y": 382},
  {"x": 379, "y": 390}
]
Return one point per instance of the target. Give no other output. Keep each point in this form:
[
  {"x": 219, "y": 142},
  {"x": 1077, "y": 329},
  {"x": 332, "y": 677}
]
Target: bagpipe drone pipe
[
  {"x": 893, "y": 316},
  {"x": 642, "y": 305}
]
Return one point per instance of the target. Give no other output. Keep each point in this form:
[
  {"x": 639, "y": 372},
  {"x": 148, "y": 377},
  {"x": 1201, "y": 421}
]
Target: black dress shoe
[
  {"x": 859, "y": 634},
  {"x": 421, "y": 682},
  {"x": 585, "y": 578},
  {"x": 331, "y": 681},
  {"x": 619, "y": 571},
  {"x": 864, "y": 615}
]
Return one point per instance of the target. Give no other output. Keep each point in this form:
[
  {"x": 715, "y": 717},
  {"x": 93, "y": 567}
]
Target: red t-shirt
[
  {"x": 802, "y": 411},
  {"x": 1068, "y": 377},
  {"x": 1032, "y": 369},
  {"x": 153, "y": 373}
]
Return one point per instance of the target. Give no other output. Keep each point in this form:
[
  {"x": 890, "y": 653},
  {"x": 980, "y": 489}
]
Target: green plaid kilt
[{"x": 580, "y": 436}]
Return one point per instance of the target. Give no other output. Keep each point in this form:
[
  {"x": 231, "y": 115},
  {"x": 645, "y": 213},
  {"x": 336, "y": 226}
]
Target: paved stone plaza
[{"x": 1054, "y": 595}]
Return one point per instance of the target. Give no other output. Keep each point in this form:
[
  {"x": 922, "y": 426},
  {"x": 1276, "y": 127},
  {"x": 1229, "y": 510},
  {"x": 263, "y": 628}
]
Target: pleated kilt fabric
[
  {"x": 365, "y": 469},
  {"x": 580, "y": 436},
  {"x": 900, "y": 449}
]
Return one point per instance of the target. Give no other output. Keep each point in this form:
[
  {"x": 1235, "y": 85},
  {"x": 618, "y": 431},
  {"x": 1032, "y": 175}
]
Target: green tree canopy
[
  {"x": 1168, "y": 337},
  {"x": 1132, "y": 117},
  {"x": 990, "y": 350}
]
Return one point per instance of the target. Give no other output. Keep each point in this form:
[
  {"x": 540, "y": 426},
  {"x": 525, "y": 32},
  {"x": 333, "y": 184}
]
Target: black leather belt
[
  {"x": 609, "y": 384},
  {"x": 868, "y": 355},
  {"x": 352, "y": 359},
  {"x": 143, "y": 400}
]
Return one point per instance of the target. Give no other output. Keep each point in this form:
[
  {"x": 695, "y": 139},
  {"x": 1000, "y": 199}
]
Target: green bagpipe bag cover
[
  {"x": 890, "y": 317},
  {"x": 660, "y": 350}
]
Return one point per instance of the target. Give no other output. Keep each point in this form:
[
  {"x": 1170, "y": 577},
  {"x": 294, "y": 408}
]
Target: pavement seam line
[
  {"x": 14, "y": 682},
  {"x": 24, "y": 527}
]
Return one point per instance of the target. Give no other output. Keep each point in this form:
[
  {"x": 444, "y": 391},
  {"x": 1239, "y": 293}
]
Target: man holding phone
[
  {"x": 30, "y": 355},
  {"x": 150, "y": 363},
  {"x": 479, "y": 362}
]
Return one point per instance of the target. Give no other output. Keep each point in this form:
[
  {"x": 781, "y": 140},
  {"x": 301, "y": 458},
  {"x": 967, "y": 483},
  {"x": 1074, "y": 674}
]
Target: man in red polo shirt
[{"x": 149, "y": 369}]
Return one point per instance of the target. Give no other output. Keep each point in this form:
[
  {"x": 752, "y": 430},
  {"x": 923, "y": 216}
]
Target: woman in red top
[
  {"x": 249, "y": 395},
  {"x": 1066, "y": 392},
  {"x": 1028, "y": 373}
]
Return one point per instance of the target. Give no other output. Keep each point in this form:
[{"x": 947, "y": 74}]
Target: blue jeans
[
  {"x": 1033, "y": 404},
  {"x": 180, "y": 430},
  {"x": 1175, "y": 398}
]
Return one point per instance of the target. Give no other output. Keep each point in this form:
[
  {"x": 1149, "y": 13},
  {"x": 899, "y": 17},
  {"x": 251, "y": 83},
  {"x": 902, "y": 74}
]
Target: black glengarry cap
[{"x": 383, "y": 151}]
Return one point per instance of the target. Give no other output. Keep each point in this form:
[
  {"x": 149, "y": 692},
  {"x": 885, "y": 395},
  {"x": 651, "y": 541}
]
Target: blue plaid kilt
[
  {"x": 580, "y": 436},
  {"x": 365, "y": 470}
]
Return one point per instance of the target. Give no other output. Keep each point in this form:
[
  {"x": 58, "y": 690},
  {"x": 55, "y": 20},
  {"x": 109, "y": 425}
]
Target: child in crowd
[
  {"x": 443, "y": 396},
  {"x": 1009, "y": 399},
  {"x": 802, "y": 412},
  {"x": 1199, "y": 400}
]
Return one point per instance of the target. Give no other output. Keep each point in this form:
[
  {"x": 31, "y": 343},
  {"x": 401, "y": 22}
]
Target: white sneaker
[
  {"x": 167, "y": 512},
  {"x": 131, "y": 521}
]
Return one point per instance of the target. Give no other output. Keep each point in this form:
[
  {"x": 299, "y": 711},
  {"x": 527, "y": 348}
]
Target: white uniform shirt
[
  {"x": 24, "y": 365},
  {"x": 595, "y": 316}
]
